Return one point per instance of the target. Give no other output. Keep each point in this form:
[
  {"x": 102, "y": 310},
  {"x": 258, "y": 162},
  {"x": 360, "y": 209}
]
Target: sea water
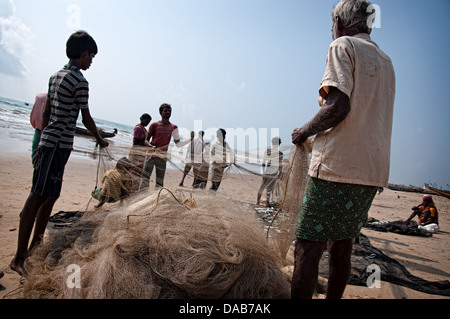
[{"x": 16, "y": 132}]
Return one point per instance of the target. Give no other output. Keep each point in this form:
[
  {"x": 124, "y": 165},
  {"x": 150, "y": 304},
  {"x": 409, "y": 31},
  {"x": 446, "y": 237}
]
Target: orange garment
[{"x": 433, "y": 218}]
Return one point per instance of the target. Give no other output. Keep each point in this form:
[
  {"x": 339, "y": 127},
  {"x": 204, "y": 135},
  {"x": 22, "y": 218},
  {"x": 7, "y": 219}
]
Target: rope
[
  {"x": 96, "y": 178},
  {"x": 249, "y": 171},
  {"x": 157, "y": 203}
]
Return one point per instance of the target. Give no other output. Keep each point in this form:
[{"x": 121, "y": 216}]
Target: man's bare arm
[{"x": 334, "y": 111}]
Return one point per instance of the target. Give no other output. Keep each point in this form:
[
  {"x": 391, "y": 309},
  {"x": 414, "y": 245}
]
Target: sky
[{"x": 253, "y": 67}]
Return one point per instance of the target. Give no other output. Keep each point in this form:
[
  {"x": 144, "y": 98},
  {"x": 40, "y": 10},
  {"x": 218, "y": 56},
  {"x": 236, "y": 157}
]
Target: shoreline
[{"x": 426, "y": 258}]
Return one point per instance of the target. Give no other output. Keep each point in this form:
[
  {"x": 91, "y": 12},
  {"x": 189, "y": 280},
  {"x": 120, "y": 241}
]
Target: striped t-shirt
[{"x": 68, "y": 92}]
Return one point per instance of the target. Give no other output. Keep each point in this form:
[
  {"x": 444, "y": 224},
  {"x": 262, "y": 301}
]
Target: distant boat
[
  {"x": 410, "y": 189},
  {"x": 437, "y": 191},
  {"x": 103, "y": 134}
]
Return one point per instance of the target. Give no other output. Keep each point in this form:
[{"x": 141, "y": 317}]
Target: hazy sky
[{"x": 249, "y": 65}]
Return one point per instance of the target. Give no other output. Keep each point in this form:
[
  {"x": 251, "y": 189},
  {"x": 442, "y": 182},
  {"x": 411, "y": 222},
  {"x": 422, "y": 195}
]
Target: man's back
[
  {"x": 68, "y": 93},
  {"x": 357, "y": 151}
]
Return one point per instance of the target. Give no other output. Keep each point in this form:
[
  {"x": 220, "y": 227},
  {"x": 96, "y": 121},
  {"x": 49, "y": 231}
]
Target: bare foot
[
  {"x": 17, "y": 266},
  {"x": 99, "y": 205}
]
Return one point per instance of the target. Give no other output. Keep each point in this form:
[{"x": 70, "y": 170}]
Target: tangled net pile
[
  {"x": 162, "y": 250},
  {"x": 172, "y": 246}
]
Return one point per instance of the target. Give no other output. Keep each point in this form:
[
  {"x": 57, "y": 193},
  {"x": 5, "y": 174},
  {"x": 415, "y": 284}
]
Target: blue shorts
[{"x": 49, "y": 171}]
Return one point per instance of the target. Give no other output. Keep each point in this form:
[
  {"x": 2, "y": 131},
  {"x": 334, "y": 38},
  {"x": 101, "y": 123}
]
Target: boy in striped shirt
[{"x": 68, "y": 94}]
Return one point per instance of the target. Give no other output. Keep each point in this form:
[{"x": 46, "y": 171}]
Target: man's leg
[
  {"x": 217, "y": 177},
  {"x": 47, "y": 179},
  {"x": 261, "y": 190},
  {"x": 258, "y": 196},
  {"x": 340, "y": 267},
  {"x": 42, "y": 220},
  {"x": 270, "y": 185},
  {"x": 203, "y": 175},
  {"x": 187, "y": 169},
  {"x": 269, "y": 195},
  {"x": 160, "y": 164},
  {"x": 146, "y": 173},
  {"x": 196, "y": 171},
  {"x": 27, "y": 218},
  {"x": 306, "y": 269},
  {"x": 100, "y": 204}
]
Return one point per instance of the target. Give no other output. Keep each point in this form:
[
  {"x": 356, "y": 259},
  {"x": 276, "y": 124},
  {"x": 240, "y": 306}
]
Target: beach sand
[{"x": 427, "y": 258}]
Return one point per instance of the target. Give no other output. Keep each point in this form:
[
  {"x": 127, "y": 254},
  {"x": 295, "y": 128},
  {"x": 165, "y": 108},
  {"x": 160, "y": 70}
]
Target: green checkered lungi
[{"x": 333, "y": 211}]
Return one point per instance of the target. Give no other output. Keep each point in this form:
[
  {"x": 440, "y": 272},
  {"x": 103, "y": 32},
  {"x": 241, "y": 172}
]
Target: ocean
[{"x": 16, "y": 132}]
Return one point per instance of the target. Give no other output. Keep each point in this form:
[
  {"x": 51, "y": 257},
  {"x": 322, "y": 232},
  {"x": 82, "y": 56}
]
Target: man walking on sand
[{"x": 351, "y": 152}]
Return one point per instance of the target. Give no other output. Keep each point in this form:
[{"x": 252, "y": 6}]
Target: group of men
[
  {"x": 349, "y": 162},
  {"x": 153, "y": 145},
  {"x": 198, "y": 158}
]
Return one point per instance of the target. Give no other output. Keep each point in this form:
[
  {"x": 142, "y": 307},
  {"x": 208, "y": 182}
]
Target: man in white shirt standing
[{"x": 351, "y": 152}]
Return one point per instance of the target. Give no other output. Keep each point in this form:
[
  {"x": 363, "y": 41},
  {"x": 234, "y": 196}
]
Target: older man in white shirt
[{"x": 351, "y": 153}]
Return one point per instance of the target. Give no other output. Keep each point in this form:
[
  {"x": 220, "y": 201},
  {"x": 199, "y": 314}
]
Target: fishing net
[
  {"x": 287, "y": 193},
  {"x": 365, "y": 255},
  {"x": 160, "y": 247},
  {"x": 290, "y": 195},
  {"x": 171, "y": 244},
  {"x": 188, "y": 242},
  {"x": 410, "y": 228}
]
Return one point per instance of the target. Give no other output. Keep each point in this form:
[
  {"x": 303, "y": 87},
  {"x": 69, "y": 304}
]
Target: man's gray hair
[{"x": 355, "y": 15}]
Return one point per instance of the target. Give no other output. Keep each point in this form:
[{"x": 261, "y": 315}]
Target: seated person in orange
[{"x": 426, "y": 212}]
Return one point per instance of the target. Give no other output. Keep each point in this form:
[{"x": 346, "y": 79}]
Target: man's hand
[
  {"x": 298, "y": 137},
  {"x": 102, "y": 142},
  {"x": 35, "y": 159}
]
